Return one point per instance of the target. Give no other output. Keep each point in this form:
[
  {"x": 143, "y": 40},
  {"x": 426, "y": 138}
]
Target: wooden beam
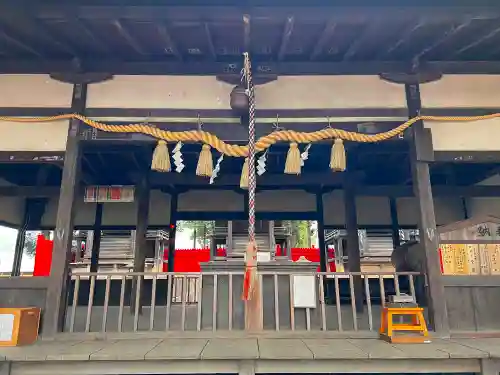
[
  {"x": 57, "y": 292},
  {"x": 316, "y": 9},
  {"x": 267, "y": 180},
  {"x": 125, "y": 34},
  {"x": 325, "y": 36},
  {"x": 285, "y": 38},
  {"x": 117, "y": 67},
  {"x": 429, "y": 237}
]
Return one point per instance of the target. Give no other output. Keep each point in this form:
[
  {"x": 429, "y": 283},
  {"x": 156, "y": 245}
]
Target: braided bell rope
[{"x": 263, "y": 143}]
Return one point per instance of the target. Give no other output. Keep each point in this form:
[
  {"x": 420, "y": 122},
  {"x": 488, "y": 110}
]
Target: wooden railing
[{"x": 105, "y": 302}]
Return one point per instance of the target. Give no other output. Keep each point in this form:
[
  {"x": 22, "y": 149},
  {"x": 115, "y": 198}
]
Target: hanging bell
[{"x": 239, "y": 100}]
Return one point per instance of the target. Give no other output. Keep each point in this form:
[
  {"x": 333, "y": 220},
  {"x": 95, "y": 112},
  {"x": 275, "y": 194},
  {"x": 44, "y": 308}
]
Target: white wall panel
[
  {"x": 465, "y": 136},
  {"x": 34, "y": 90},
  {"x": 462, "y": 91},
  {"x": 46, "y": 136},
  {"x": 205, "y": 92}
]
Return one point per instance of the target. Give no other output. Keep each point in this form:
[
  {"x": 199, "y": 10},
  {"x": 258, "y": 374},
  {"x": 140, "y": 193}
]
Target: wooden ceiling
[{"x": 142, "y": 37}]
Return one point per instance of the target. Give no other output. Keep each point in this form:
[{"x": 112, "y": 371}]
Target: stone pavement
[{"x": 266, "y": 348}]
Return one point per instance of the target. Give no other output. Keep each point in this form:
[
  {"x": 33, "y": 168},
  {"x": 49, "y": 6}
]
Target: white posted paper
[
  {"x": 6, "y": 326},
  {"x": 304, "y": 291}
]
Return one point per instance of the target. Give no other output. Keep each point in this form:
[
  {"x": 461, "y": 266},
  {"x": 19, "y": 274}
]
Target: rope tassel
[
  {"x": 293, "y": 163},
  {"x": 338, "y": 157},
  {"x": 244, "y": 175},
  {"x": 161, "y": 158},
  {"x": 205, "y": 163}
]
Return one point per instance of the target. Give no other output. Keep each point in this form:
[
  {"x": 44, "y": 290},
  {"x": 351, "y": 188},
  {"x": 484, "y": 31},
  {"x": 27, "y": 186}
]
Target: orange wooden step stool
[{"x": 418, "y": 325}]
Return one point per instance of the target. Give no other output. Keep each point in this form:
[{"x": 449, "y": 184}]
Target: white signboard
[
  {"x": 263, "y": 256},
  {"x": 304, "y": 291},
  {"x": 6, "y": 327}
]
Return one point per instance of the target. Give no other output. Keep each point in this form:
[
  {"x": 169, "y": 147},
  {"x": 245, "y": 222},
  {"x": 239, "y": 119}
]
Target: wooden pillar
[
  {"x": 421, "y": 154},
  {"x": 353, "y": 252},
  {"x": 55, "y": 307},
  {"x": 142, "y": 191},
  {"x": 172, "y": 230},
  {"x": 394, "y": 222},
  {"x": 96, "y": 239},
  {"x": 141, "y": 227},
  {"x": 323, "y": 259}
]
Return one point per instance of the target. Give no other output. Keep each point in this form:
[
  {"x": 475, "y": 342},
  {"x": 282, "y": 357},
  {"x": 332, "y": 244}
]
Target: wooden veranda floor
[{"x": 231, "y": 352}]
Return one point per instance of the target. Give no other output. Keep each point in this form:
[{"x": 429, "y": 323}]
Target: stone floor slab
[
  {"x": 377, "y": 349},
  {"x": 456, "y": 350},
  {"x": 231, "y": 349},
  {"x": 488, "y": 345},
  {"x": 125, "y": 350},
  {"x": 178, "y": 349},
  {"x": 284, "y": 349},
  {"x": 39, "y": 351},
  {"x": 424, "y": 350},
  {"x": 334, "y": 349}
]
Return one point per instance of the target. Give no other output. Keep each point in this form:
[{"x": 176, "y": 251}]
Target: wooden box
[{"x": 19, "y": 326}]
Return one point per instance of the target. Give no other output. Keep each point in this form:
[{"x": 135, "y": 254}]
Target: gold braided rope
[{"x": 262, "y": 143}]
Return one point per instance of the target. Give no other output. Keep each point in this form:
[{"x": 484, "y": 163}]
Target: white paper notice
[
  {"x": 6, "y": 327},
  {"x": 304, "y": 291}
]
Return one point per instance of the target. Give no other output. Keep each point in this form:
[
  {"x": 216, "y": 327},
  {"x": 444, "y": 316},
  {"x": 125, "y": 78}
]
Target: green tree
[
  {"x": 30, "y": 243},
  {"x": 199, "y": 231},
  {"x": 301, "y": 232}
]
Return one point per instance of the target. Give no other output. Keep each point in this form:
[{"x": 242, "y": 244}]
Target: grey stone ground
[{"x": 235, "y": 347}]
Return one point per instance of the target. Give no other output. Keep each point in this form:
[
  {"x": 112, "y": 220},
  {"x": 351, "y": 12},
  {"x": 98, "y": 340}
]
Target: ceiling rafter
[
  {"x": 368, "y": 31},
  {"x": 127, "y": 36},
  {"x": 166, "y": 38},
  {"x": 81, "y": 24},
  {"x": 450, "y": 33},
  {"x": 210, "y": 40},
  {"x": 323, "y": 39},
  {"x": 488, "y": 36},
  {"x": 285, "y": 38},
  {"x": 18, "y": 41},
  {"x": 407, "y": 35}
]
